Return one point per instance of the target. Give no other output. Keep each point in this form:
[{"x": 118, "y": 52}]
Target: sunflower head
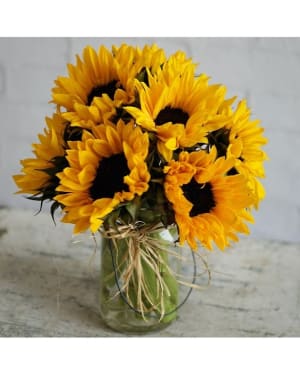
[
  {"x": 149, "y": 61},
  {"x": 38, "y": 176},
  {"x": 182, "y": 112},
  {"x": 209, "y": 205},
  {"x": 242, "y": 138},
  {"x": 106, "y": 170},
  {"x": 97, "y": 76}
]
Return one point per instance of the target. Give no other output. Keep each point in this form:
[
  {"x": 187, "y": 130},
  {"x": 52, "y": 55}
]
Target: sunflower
[
  {"x": 208, "y": 204},
  {"x": 98, "y": 74},
  {"x": 103, "y": 111},
  {"x": 38, "y": 176},
  {"x": 150, "y": 58},
  {"x": 182, "y": 113},
  {"x": 242, "y": 139},
  {"x": 105, "y": 169},
  {"x": 176, "y": 65}
]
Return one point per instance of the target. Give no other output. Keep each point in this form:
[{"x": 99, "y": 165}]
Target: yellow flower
[
  {"x": 38, "y": 176},
  {"x": 103, "y": 111},
  {"x": 175, "y": 66},
  {"x": 242, "y": 139},
  {"x": 180, "y": 113},
  {"x": 98, "y": 74},
  {"x": 139, "y": 61},
  {"x": 208, "y": 204},
  {"x": 105, "y": 169}
]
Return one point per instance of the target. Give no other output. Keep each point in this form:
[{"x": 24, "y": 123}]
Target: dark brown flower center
[
  {"x": 109, "y": 177},
  {"x": 200, "y": 195},
  {"x": 174, "y": 115},
  {"x": 109, "y": 89}
]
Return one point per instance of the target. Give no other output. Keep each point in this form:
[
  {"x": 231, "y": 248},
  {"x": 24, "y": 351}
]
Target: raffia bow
[
  {"x": 140, "y": 259},
  {"x": 145, "y": 279}
]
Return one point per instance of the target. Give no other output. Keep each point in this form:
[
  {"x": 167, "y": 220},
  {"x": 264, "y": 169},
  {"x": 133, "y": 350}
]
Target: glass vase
[{"x": 149, "y": 299}]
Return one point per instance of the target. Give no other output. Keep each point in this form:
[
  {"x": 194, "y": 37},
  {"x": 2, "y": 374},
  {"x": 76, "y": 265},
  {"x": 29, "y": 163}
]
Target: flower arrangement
[{"x": 139, "y": 142}]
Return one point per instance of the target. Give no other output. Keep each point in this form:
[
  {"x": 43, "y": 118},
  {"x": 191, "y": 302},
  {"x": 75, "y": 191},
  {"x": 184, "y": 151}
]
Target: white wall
[{"x": 265, "y": 71}]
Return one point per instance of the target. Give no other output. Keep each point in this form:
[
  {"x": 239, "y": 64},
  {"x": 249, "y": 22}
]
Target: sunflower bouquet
[{"x": 138, "y": 144}]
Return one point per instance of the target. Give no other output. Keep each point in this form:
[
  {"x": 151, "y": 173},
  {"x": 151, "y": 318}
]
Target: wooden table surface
[{"x": 48, "y": 286}]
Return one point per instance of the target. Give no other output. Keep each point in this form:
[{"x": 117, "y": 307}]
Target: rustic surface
[{"x": 48, "y": 286}]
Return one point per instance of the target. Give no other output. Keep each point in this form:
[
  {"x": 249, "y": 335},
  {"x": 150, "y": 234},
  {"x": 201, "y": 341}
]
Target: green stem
[{"x": 161, "y": 300}]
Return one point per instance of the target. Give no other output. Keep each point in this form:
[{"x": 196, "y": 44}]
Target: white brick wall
[{"x": 264, "y": 70}]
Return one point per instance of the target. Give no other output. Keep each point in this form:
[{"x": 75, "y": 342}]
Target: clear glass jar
[{"x": 120, "y": 309}]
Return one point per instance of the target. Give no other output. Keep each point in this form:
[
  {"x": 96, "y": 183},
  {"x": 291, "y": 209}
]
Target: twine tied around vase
[{"x": 145, "y": 250}]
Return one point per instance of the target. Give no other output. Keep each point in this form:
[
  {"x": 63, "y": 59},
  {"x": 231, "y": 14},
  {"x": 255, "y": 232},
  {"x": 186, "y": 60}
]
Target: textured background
[{"x": 264, "y": 70}]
